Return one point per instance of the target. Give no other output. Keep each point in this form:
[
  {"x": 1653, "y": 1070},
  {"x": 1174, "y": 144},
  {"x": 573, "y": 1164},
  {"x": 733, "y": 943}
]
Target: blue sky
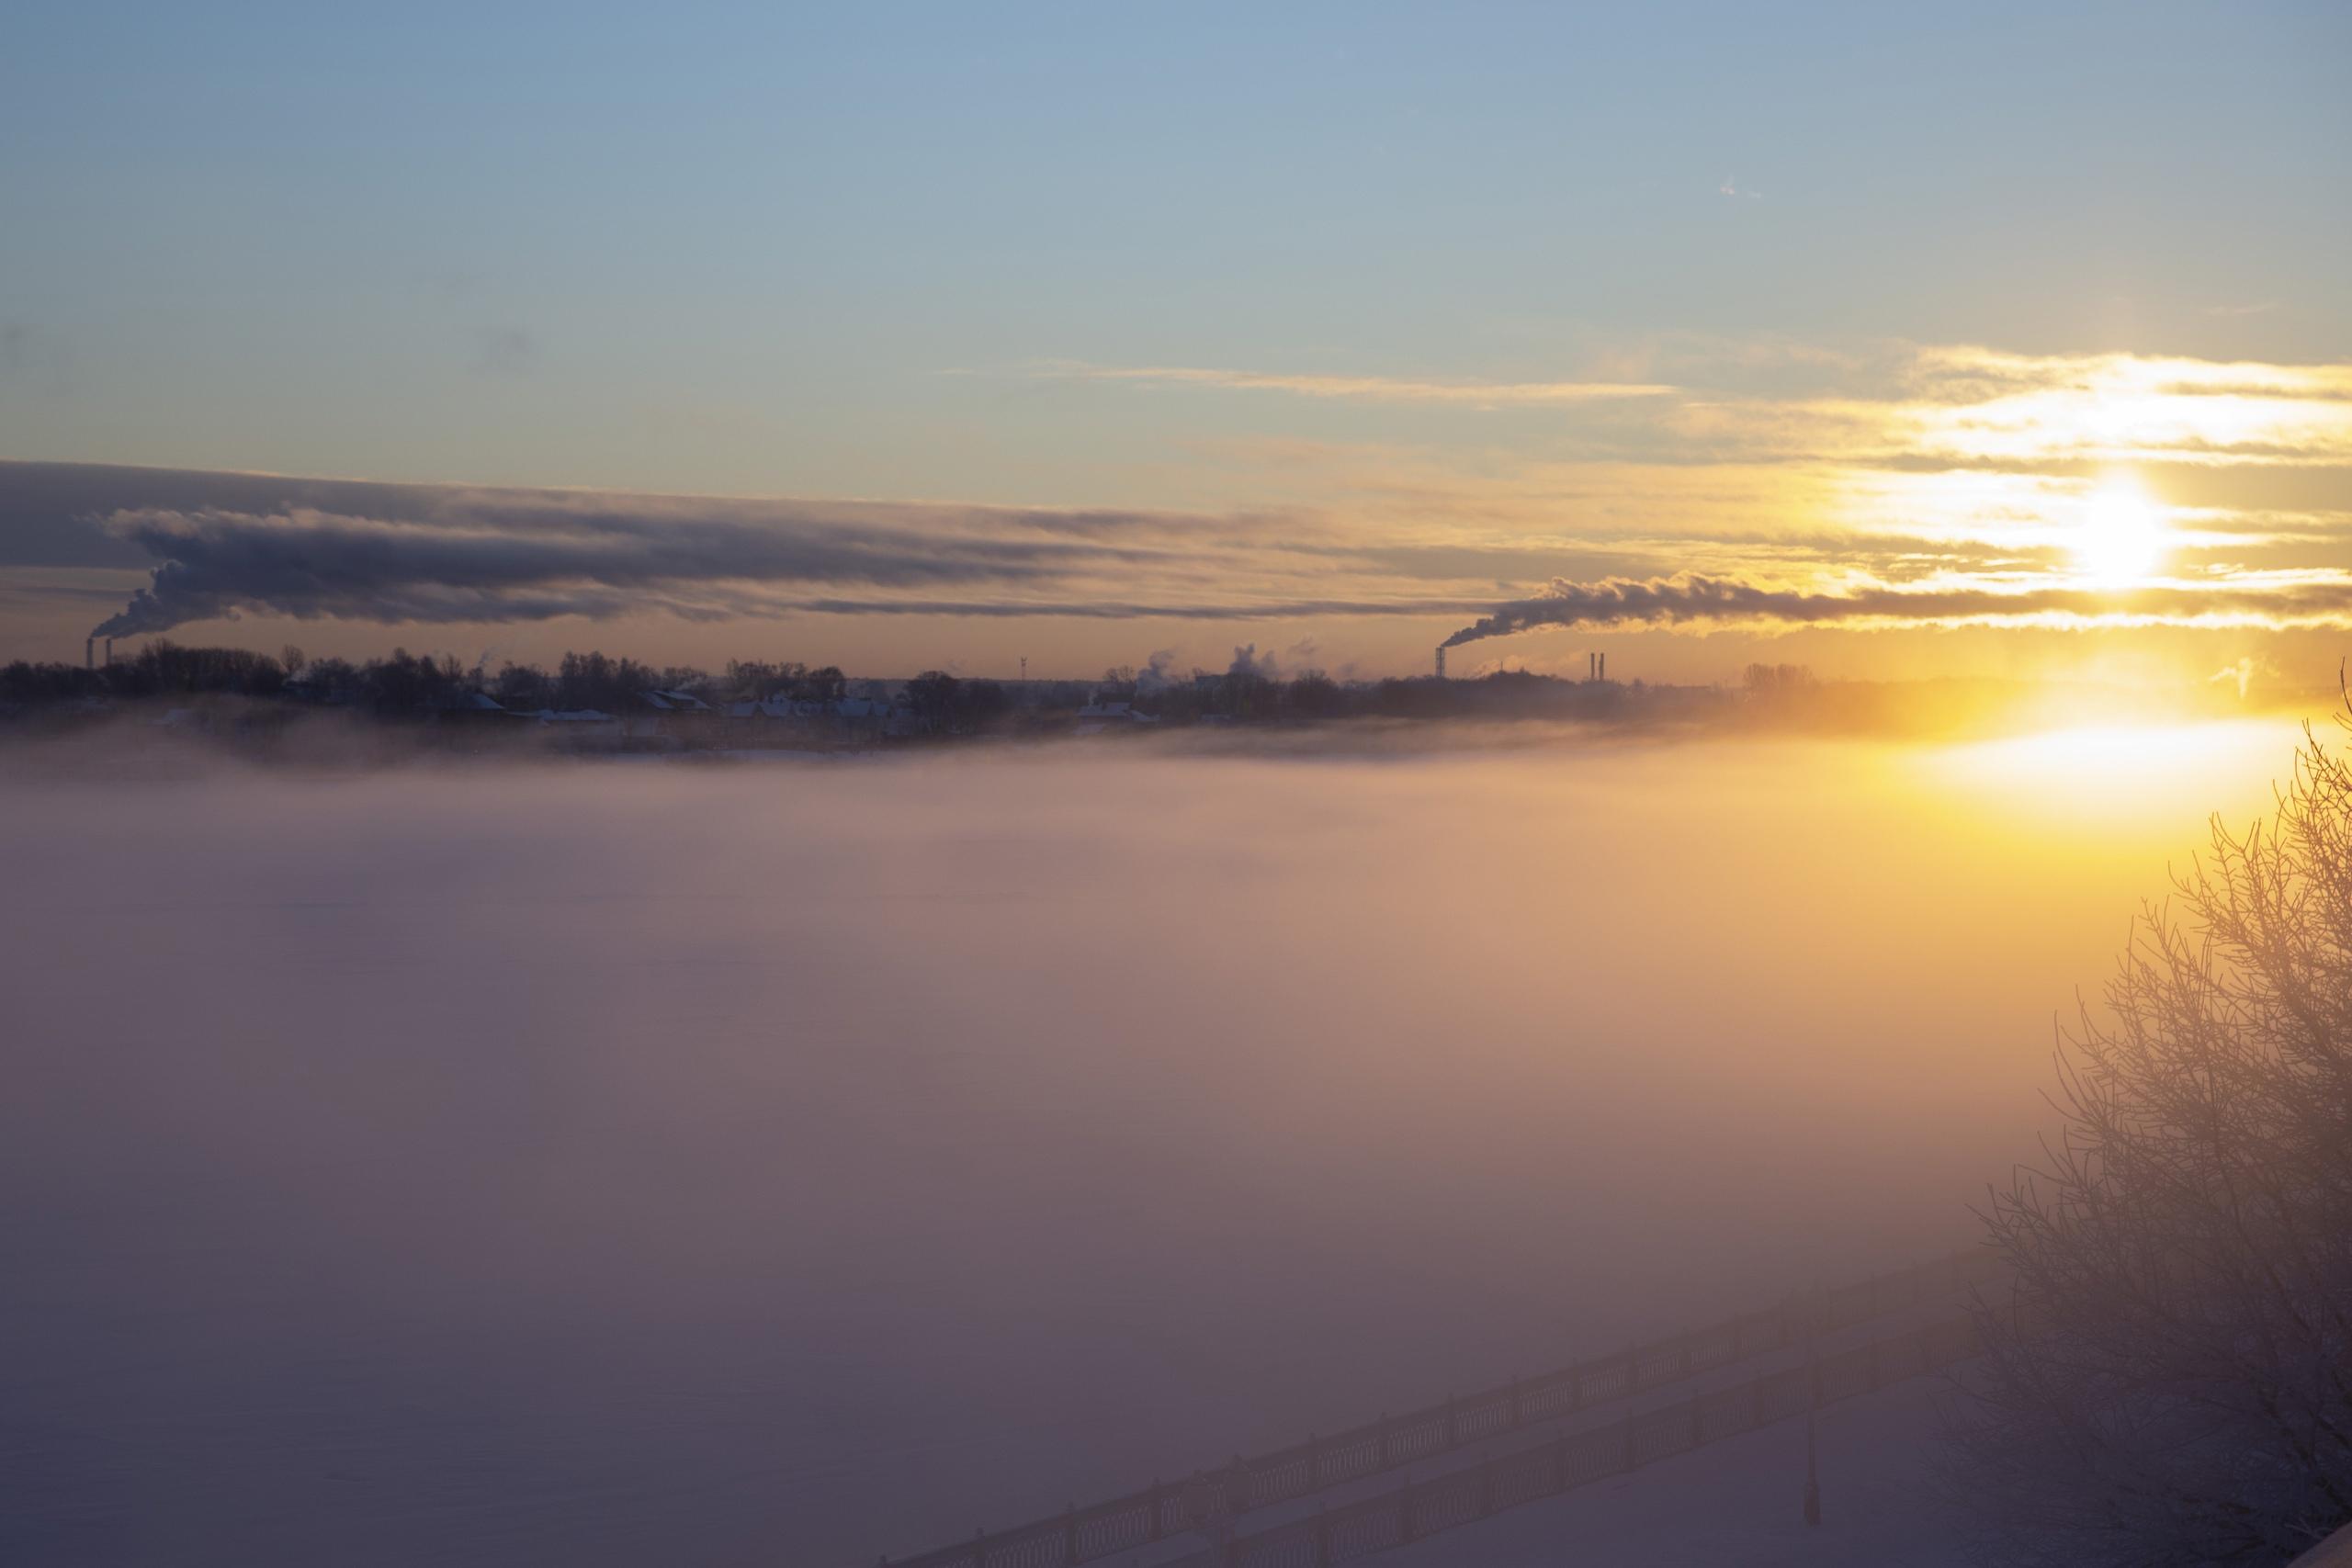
[{"x": 775, "y": 251}]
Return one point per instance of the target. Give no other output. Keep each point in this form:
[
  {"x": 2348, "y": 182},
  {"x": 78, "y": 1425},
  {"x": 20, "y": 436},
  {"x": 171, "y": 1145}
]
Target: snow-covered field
[{"x": 796, "y": 1164}]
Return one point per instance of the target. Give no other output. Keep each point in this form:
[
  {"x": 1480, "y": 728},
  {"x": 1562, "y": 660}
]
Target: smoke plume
[
  {"x": 1247, "y": 660},
  {"x": 1690, "y": 598}
]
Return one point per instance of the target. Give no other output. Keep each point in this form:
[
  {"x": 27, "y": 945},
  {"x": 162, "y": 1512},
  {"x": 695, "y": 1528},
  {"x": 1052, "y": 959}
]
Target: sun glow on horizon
[{"x": 2121, "y": 774}]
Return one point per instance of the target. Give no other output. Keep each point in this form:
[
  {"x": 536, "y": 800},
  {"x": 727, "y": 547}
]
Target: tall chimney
[
  {"x": 109, "y": 653},
  {"x": 89, "y": 653},
  {"x": 1604, "y": 667},
  {"x": 1440, "y": 662}
]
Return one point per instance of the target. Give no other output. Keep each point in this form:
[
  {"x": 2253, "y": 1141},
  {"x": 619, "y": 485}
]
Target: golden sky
[{"x": 1700, "y": 503}]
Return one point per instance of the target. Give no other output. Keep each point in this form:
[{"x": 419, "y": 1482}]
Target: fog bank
[{"x": 803, "y": 1162}]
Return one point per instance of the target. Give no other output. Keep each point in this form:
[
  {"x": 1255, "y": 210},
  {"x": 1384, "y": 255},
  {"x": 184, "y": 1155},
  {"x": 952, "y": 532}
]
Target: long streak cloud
[{"x": 309, "y": 564}]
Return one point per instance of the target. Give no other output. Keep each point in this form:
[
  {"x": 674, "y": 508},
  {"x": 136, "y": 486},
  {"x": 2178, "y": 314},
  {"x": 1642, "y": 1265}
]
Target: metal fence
[
  {"x": 1080, "y": 1535},
  {"x": 1417, "y": 1509}
]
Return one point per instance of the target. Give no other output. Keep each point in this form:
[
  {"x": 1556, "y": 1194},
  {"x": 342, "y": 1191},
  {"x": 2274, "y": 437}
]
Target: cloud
[
  {"x": 1960, "y": 405},
  {"x": 390, "y": 554},
  {"x": 1775, "y": 488},
  {"x": 1133, "y": 609},
  {"x": 1364, "y": 389},
  {"x": 595, "y": 561}
]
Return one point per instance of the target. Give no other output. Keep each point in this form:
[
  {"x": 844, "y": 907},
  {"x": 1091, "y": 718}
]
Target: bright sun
[{"x": 2122, "y": 537}]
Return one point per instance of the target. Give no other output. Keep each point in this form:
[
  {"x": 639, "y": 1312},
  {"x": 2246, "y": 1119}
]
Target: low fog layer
[{"x": 639, "y": 1162}]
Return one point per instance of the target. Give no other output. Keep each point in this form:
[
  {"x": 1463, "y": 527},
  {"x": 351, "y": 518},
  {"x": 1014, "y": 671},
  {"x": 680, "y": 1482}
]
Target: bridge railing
[
  {"x": 1416, "y": 1509},
  {"x": 1160, "y": 1511}
]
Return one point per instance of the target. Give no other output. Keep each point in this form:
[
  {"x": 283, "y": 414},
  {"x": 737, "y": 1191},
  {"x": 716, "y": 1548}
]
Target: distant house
[
  {"x": 475, "y": 709},
  {"x": 666, "y": 721},
  {"x": 582, "y": 730},
  {"x": 778, "y": 707},
  {"x": 778, "y": 718},
  {"x": 778, "y": 715},
  {"x": 1099, "y": 718},
  {"x": 871, "y": 718}
]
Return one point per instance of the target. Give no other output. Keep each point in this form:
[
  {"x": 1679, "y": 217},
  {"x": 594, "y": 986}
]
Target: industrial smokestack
[
  {"x": 109, "y": 653},
  {"x": 1604, "y": 667},
  {"x": 1440, "y": 662},
  {"x": 89, "y": 653}
]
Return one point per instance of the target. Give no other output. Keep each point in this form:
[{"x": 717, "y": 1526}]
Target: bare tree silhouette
[{"x": 2173, "y": 1382}]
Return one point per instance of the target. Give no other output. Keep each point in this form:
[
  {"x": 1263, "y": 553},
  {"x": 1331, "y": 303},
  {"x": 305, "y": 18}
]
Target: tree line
[{"x": 401, "y": 682}]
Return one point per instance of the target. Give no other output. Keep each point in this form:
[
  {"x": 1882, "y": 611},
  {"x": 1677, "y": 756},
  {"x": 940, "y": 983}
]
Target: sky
[{"x": 1899, "y": 340}]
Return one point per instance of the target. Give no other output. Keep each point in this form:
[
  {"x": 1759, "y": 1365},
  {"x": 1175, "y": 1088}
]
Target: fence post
[{"x": 1070, "y": 1537}]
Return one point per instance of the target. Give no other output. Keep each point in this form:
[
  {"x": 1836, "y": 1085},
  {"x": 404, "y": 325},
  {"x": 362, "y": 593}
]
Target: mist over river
[{"x": 610, "y": 1164}]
